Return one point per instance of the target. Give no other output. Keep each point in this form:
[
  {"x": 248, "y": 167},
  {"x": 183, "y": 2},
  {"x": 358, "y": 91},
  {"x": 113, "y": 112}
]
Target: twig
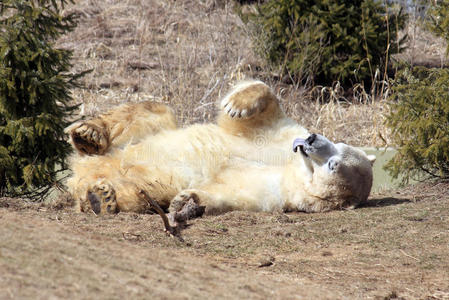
[
  {"x": 131, "y": 236},
  {"x": 322, "y": 275},
  {"x": 209, "y": 92},
  {"x": 172, "y": 231},
  {"x": 403, "y": 252}
]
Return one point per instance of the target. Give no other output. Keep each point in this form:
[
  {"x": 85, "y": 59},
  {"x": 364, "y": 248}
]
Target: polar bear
[{"x": 254, "y": 158}]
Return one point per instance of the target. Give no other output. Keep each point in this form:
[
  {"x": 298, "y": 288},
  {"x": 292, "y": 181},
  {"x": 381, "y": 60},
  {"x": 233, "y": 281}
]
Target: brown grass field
[{"x": 187, "y": 54}]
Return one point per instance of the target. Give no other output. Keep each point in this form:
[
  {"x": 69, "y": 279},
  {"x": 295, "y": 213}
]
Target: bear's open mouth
[
  {"x": 299, "y": 143},
  {"x": 301, "y": 148}
]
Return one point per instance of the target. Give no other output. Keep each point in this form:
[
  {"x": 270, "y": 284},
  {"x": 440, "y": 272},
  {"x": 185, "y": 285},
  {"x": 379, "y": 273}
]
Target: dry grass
[
  {"x": 423, "y": 47},
  {"x": 189, "y": 53},
  {"x": 358, "y": 124},
  {"x": 185, "y": 53}
]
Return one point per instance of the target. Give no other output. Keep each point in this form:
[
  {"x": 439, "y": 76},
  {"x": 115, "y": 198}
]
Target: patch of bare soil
[{"x": 395, "y": 247}]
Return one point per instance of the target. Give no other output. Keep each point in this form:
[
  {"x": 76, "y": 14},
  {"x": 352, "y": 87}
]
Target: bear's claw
[
  {"x": 89, "y": 138},
  {"x": 185, "y": 206},
  {"x": 102, "y": 198},
  {"x": 237, "y": 110}
]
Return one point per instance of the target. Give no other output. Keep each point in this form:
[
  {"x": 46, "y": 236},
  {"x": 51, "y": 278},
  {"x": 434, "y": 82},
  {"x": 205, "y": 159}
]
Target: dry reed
[{"x": 187, "y": 54}]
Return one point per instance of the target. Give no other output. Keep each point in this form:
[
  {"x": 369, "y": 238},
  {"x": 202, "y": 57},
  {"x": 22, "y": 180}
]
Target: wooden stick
[{"x": 168, "y": 228}]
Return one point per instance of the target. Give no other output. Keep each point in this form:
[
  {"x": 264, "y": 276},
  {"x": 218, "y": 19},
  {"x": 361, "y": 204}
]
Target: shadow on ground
[{"x": 384, "y": 201}]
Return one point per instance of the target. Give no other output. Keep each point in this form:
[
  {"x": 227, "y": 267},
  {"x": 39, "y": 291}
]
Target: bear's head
[{"x": 339, "y": 173}]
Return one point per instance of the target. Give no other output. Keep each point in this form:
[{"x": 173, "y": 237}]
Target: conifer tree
[
  {"x": 438, "y": 21},
  {"x": 34, "y": 94},
  {"x": 419, "y": 112},
  {"x": 419, "y": 123},
  {"x": 327, "y": 41}
]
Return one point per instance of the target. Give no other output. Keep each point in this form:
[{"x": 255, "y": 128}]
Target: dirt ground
[{"x": 395, "y": 247}]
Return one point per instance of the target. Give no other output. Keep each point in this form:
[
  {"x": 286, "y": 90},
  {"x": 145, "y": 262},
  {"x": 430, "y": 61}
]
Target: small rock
[
  {"x": 266, "y": 261},
  {"x": 326, "y": 253}
]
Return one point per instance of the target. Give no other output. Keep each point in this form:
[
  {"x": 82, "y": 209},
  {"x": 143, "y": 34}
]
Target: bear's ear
[{"x": 372, "y": 159}]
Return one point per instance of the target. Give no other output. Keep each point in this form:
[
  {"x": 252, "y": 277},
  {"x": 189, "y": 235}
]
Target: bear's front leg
[
  {"x": 89, "y": 137},
  {"x": 185, "y": 206}
]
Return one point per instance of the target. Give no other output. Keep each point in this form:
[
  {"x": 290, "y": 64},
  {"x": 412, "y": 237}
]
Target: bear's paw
[
  {"x": 247, "y": 99},
  {"x": 186, "y": 206},
  {"x": 102, "y": 198},
  {"x": 89, "y": 138}
]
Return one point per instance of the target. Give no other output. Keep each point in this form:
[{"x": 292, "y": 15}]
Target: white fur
[{"x": 229, "y": 171}]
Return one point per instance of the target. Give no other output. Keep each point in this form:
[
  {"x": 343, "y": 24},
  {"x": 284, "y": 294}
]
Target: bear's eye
[{"x": 311, "y": 139}]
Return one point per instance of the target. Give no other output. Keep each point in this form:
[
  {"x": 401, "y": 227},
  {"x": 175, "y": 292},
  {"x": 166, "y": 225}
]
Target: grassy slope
[{"x": 188, "y": 54}]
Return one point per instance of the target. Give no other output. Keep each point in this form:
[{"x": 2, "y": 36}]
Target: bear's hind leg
[
  {"x": 102, "y": 197},
  {"x": 249, "y": 106},
  {"x": 185, "y": 206}
]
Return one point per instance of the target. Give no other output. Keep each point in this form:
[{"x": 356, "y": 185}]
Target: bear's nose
[{"x": 311, "y": 139}]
